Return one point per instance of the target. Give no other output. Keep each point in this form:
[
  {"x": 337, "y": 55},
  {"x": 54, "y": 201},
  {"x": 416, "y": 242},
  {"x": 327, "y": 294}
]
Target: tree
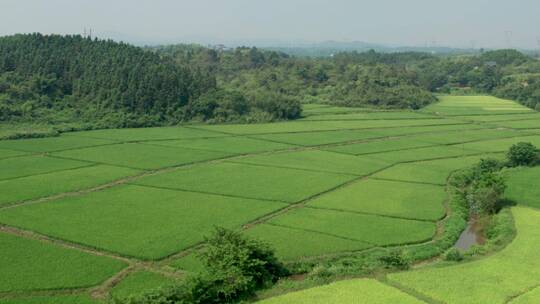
[{"x": 522, "y": 154}]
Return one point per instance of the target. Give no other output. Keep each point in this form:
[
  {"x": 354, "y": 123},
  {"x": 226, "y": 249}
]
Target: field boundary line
[
  {"x": 375, "y": 214},
  {"x": 290, "y": 168},
  {"x": 88, "y": 165},
  {"x": 210, "y": 193},
  {"x": 409, "y": 291},
  {"x": 511, "y": 299}
]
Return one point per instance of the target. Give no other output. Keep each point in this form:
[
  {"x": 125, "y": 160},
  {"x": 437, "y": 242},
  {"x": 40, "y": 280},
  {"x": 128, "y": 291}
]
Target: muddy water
[{"x": 473, "y": 235}]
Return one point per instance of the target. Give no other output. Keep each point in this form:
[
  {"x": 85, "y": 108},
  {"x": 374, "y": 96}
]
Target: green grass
[
  {"x": 319, "y": 109},
  {"x": 474, "y": 105},
  {"x": 523, "y": 186},
  {"x": 530, "y": 297},
  {"x": 4, "y": 153},
  {"x": 259, "y": 182},
  {"x": 138, "y": 283},
  {"x": 434, "y": 171},
  {"x": 189, "y": 263},
  {"x": 294, "y": 243},
  {"x": 50, "y": 144},
  {"x": 35, "y": 265},
  {"x": 43, "y": 185},
  {"x": 143, "y": 134},
  {"x": 65, "y": 299},
  {"x": 382, "y": 145},
  {"x": 499, "y": 145},
  {"x": 372, "y": 229},
  {"x": 505, "y": 117},
  {"x": 141, "y": 156},
  {"x": 425, "y": 153},
  {"x": 318, "y": 161},
  {"x": 372, "y": 115},
  {"x": 521, "y": 124},
  {"x": 303, "y": 126},
  {"x": 352, "y": 291},
  {"x": 457, "y": 137},
  {"x": 494, "y": 279},
  {"x": 339, "y": 136},
  {"x": 36, "y": 164},
  {"x": 414, "y": 201},
  {"x": 137, "y": 221},
  {"x": 231, "y": 144}
]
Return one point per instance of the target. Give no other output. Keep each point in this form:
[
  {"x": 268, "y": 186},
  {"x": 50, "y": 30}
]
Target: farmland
[{"x": 126, "y": 210}]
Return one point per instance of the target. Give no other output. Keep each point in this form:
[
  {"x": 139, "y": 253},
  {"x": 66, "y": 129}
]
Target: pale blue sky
[{"x": 458, "y": 23}]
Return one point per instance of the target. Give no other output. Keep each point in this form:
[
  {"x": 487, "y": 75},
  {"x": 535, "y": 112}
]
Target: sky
[{"x": 455, "y": 23}]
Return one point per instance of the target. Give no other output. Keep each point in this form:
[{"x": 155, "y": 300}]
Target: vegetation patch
[
  {"x": 138, "y": 283},
  {"x": 260, "y": 182},
  {"x": 146, "y": 134},
  {"x": 141, "y": 156},
  {"x": 49, "y": 184},
  {"x": 425, "y": 153},
  {"x": 230, "y": 144},
  {"x": 523, "y": 186},
  {"x": 297, "y": 243},
  {"x": 56, "y": 268},
  {"x": 351, "y": 291},
  {"x": 399, "y": 199},
  {"x": 51, "y": 144},
  {"x": 318, "y": 161},
  {"x": 137, "y": 221},
  {"x": 35, "y": 164},
  {"x": 67, "y": 299},
  {"x": 372, "y": 229}
]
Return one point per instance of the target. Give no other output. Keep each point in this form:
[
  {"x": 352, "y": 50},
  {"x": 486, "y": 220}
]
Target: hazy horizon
[{"x": 459, "y": 23}]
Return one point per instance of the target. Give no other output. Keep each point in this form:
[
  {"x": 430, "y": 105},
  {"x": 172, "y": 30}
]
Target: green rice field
[{"x": 94, "y": 215}]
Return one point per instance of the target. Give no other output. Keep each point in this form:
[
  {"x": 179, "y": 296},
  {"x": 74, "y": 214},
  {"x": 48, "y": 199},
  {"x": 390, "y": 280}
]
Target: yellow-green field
[{"x": 129, "y": 206}]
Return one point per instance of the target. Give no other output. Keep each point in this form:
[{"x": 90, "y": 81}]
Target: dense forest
[{"x": 93, "y": 83}]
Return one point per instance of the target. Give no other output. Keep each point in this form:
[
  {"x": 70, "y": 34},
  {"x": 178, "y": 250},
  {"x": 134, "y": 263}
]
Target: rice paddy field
[{"x": 89, "y": 216}]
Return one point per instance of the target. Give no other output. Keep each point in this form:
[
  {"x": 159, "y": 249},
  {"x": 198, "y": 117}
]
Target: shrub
[
  {"x": 522, "y": 154},
  {"x": 395, "y": 259},
  {"x": 453, "y": 255}
]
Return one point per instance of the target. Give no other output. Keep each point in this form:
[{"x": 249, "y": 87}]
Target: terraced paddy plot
[
  {"x": 138, "y": 283},
  {"x": 504, "y": 117},
  {"x": 303, "y": 126},
  {"x": 499, "y": 145},
  {"x": 520, "y": 124},
  {"x": 36, "y": 164},
  {"x": 295, "y": 243},
  {"x": 352, "y": 291},
  {"x": 524, "y": 186},
  {"x": 372, "y": 116},
  {"x": 433, "y": 172},
  {"x": 60, "y": 299},
  {"x": 231, "y": 144},
  {"x": 141, "y": 156},
  {"x": 371, "y": 229},
  {"x": 145, "y": 134},
  {"x": 494, "y": 279},
  {"x": 137, "y": 221},
  {"x": 51, "y": 144},
  {"x": 467, "y": 105},
  {"x": 381, "y": 145},
  {"x": 425, "y": 153},
  {"x": 189, "y": 263},
  {"x": 319, "y": 109},
  {"x": 456, "y": 137},
  {"x": 339, "y": 136},
  {"x": 4, "y": 153},
  {"x": 399, "y": 199},
  {"x": 259, "y": 182},
  {"x": 35, "y": 265},
  {"x": 43, "y": 185},
  {"x": 316, "y": 160}
]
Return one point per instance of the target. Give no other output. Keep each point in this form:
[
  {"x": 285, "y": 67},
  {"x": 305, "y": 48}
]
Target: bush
[
  {"x": 235, "y": 267},
  {"x": 395, "y": 259},
  {"x": 453, "y": 255},
  {"x": 522, "y": 154}
]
